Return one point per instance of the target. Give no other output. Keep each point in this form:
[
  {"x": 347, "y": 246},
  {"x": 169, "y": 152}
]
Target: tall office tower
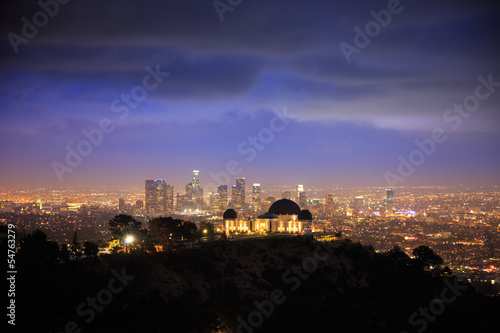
[
  {"x": 121, "y": 205},
  {"x": 189, "y": 191},
  {"x": 197, "y": 191},
  {"x": 286, "y": 195},
  {"x": 235, "y": 194},
  {"x": 139, "y": 204},
  {"x": 170, "y": 198},
  {"x": 196, "y": 179},
  {"x": 238, "y": 195},
  {"x": 222, "y": 190},
  {"x": 357, "y": 204},
  {"x": 181, "y": 202},
  {"x": 303, "y": 200},
  {"x": 329, "y": 204},
  {"x": 214, "y": 202},
  {"x": 256, "y": 197},
  {"x": 268, "y": 201},
  {"x": 300, "y": 189},
  {"x": 198, "y": 197},
  {"x": 389, "y": 201},
  {"x": 150, "y": 196},
  {"x": 156, "y": 196},
  {"x": 240, "y": 181}
]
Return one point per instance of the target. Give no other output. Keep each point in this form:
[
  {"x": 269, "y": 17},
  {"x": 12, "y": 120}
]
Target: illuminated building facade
[
  {"x": 256, "y": 197},
  {"x": 197, "y": 191},
  {"x": 121, "y": 205},
  {"x": 357, "y": 204},
  {"x": 156, "y": 196},
  {"x": 389, "y": 201},
  {"x": 300, "y": 189},
  {"x": 214, "y": 202},
  {"x": 181, "y": 202},
  {"x": 238, "y": 194},
  {"x": 302, "y": 199},
  {"x": 196, "y": 179},
  {"x": 170, "y": 198},
  {"x": 189, "y": 191},
  {"x": 284, "y": 216},
  {"x": 222, "y": 190},
  {"x": 74, "y": 206},
  {"x": 329, "y": 204},
  {"x": 233, "y": 224}
]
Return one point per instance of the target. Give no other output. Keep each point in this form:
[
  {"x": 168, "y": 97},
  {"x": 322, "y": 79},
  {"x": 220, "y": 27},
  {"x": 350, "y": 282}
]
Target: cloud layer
[{"x": 352, "y": 120}]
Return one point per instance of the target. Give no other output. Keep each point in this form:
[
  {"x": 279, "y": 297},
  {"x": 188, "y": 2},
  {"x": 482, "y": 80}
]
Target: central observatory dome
[
  {"x": 230, "y": 214},
  {"x": 284, "y": 207}
]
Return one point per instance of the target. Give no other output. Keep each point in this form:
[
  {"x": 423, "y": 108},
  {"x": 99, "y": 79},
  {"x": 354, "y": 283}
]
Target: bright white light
[{"x": 129, "y": 239}]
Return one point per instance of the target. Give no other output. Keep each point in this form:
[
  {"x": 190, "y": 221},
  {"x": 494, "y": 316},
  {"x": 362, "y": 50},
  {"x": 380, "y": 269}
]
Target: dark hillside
[{"x": 270, "y": 285}]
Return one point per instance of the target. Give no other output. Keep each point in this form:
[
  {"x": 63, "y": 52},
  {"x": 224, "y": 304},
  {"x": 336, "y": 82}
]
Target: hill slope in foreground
[{"x": 273, "y": 285}]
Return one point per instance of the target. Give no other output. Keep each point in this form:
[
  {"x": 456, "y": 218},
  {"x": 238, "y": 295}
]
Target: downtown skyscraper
[
  {"x": 389, "y": 201},
  {"x": 170, "y": 198},
  {"x": 156, "y": 196},
  {"x": 238, "y": 194},
  {"x": 197, "y": 191},
  {"x": 300, "y": 189},
  {"x": 301, "y": 196},
  {"x": 196, "y": 179},
  {"x": 222, "y": 190},
  {"x": 329, "y": 203},
  {"x": 256, "y": 202}
]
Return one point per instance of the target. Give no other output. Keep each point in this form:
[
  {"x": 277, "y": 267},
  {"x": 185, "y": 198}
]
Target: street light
[{"x": 128, "y": 239}]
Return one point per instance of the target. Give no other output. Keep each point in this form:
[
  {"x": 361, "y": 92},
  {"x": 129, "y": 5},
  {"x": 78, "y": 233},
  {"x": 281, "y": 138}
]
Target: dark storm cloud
[
  {"x": 114, "y": 41},
  {"x": 275, "y": 26},
  {"x": 203, "y": 77},
  {"x": 266, "y": 54}
]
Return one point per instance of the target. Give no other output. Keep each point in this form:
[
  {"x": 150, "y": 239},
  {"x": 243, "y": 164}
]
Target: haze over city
[{"x": 352, "y": 114}]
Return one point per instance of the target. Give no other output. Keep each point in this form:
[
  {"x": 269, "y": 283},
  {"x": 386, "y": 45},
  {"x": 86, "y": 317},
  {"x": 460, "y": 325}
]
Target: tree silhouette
[
  {"x": 207, "y": 229},
  {"x": 37, "y": 250},
  {"x": 148, "y": 244},
  {"x": 125, "y": 225},
  {"x": 75, "y": 245},
  {"x": 167, "y": 230},
  {"x": 90, "y": 249},
  {"x": 426, "y": 256},
  {"x": 397, "y": 254},
  {"x": 65, "y": 252}
]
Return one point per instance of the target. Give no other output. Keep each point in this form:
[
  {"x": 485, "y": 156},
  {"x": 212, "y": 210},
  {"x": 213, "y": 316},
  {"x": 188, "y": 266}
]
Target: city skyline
[{"x": 382, "y": 93}]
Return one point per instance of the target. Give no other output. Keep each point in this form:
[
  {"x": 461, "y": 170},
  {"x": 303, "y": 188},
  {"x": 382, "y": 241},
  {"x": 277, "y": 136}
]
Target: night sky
[{"x": 350, "y": 119}]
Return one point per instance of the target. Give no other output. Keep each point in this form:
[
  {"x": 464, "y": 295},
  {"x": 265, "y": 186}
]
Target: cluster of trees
[
  {"x": 89, "y": 249},
  {"x": 36, "y": 247},
  {"x": 164, "y": 231},
  {"x": 36, "y": 250},
  {"x": 423, "y": 258}
]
